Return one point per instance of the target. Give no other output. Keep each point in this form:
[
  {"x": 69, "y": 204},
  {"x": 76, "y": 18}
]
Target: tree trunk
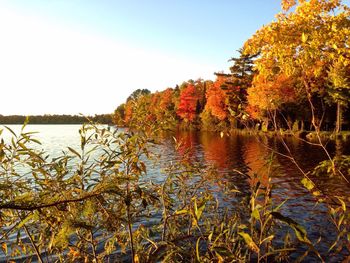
[
  {"x": 339, "y": 118},
  {"x": 233, "y": 123}
]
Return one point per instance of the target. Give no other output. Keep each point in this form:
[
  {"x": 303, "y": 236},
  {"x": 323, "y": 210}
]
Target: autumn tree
[
  {"x": 161, "y": 109},
  {"x": 166, "y": 102},
  {"x": 128, "y": 111},
  {"x": 154, "y": 108},
  {"x": 305, "y": 43},
  {"x": 216, "y": 99},
  {"x": 339, "y": 87},
  {"x": 188, "y": 103},
  {"x": 201, "y": 88},
  {"x": 269, "y": 94},
  {"x": 138, "y": 101},
  {"x": 119, "y": 115}
]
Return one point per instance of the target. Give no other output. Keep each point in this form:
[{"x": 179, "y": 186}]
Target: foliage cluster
[{"x": 295, "y": 70}]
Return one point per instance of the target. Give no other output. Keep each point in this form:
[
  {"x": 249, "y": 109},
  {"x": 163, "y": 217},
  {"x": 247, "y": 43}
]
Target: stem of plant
[
  {"x": 129, "y": 220},
  {"x": 37, "y": 252}
]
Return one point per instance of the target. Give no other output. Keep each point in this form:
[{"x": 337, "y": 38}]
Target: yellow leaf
[
  {"x": 249, "y": 241},
  {"x": 316, "y": 193},
  {"x": 334, "y": 27},
  {"x": 181, "y": 212},
  {"x": 309, "y": 185},
  {"x": 304, "y": 37},
  {"x": 256, "y": 214},
  {"x": 342, "y": 203},
  {"x": 4, "y": 248}
]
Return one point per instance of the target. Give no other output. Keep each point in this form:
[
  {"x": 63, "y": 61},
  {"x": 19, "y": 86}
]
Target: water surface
[{"x": 249, "y": 155}]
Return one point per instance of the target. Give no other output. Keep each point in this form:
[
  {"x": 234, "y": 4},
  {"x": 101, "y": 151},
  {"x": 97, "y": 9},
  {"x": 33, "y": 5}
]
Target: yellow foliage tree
[{"x": 305, "y": 43}]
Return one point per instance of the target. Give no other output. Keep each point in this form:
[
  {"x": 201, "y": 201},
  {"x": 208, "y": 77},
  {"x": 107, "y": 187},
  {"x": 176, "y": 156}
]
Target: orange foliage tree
[
  {"x": 270, "y": 94},
  {"x": 128, "y": 111},
  {"x": 166, "y": 100},
  {"x": 216, "y": 99},
  {"x": 162, "y": 108},
  {"x": 188, "y": 103}
]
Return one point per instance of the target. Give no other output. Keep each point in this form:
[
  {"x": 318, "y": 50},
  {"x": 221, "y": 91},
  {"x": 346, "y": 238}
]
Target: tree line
[
  {"x": 56, "y": 119},
  {"x": 292, "y": 73}
]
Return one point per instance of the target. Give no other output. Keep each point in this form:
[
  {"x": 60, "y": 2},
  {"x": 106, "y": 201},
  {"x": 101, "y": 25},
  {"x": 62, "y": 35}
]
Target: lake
[{"x": 229, "y": 154}]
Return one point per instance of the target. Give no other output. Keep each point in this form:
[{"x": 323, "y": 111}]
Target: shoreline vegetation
[
  {"x": 108, "y": 119},
  {"x": 291, "y": 75},
  {"x": 308, "y": 135}
]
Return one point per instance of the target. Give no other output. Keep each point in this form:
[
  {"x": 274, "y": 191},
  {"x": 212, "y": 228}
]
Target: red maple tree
[{"x": 188, "y": 103}]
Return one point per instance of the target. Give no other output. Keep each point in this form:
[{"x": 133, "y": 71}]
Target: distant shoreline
[{"x": 55, "y": 119}]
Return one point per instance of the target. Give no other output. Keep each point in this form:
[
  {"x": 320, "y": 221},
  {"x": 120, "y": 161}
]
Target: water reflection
[
  {"x": 216, "y": 150},
  {"x": 252, "y": 156},
  {"x": 187, "y": 142},
  {"x": 258, "y": 158}
]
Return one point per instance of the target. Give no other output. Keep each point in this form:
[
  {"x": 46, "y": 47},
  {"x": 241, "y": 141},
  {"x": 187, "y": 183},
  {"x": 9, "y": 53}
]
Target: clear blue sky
[{"x": 87, "y": 56}]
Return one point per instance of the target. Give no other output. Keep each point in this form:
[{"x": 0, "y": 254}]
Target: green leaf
[
  {"x": 256, "y": 214},
  {"x": 35, "y": 141},
  {"x": 299, "y": 230},
  {"x": 197, "y": 249},
  {"x": 343, "y": 205},
  {"x": 249, "y": 241},
  {"x": 198, "y": 210},
  {"x": 10, "y": 130},
  {"x": 268, "y": 239},
  {"x": 75, "y": 152},
  {"x": 280, "y": 205},
  {"x": 26, "y": 121},
  {"x": 333, "y": 245},
  {"x": 300, "y": 233},
  {"x": 210, "y": 236},
  {"x": 25, "y": 220},
  {"x": 25, "y": 197},
  {"x": 181, "y": 212},
  {"x": 61, "y": 239}
]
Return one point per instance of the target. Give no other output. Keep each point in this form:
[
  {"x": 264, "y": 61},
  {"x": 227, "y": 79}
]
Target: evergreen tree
[{"x": 236, "y": 85}]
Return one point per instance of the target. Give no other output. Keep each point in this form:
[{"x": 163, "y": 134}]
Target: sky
[{"x": 88, "y": 56}]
